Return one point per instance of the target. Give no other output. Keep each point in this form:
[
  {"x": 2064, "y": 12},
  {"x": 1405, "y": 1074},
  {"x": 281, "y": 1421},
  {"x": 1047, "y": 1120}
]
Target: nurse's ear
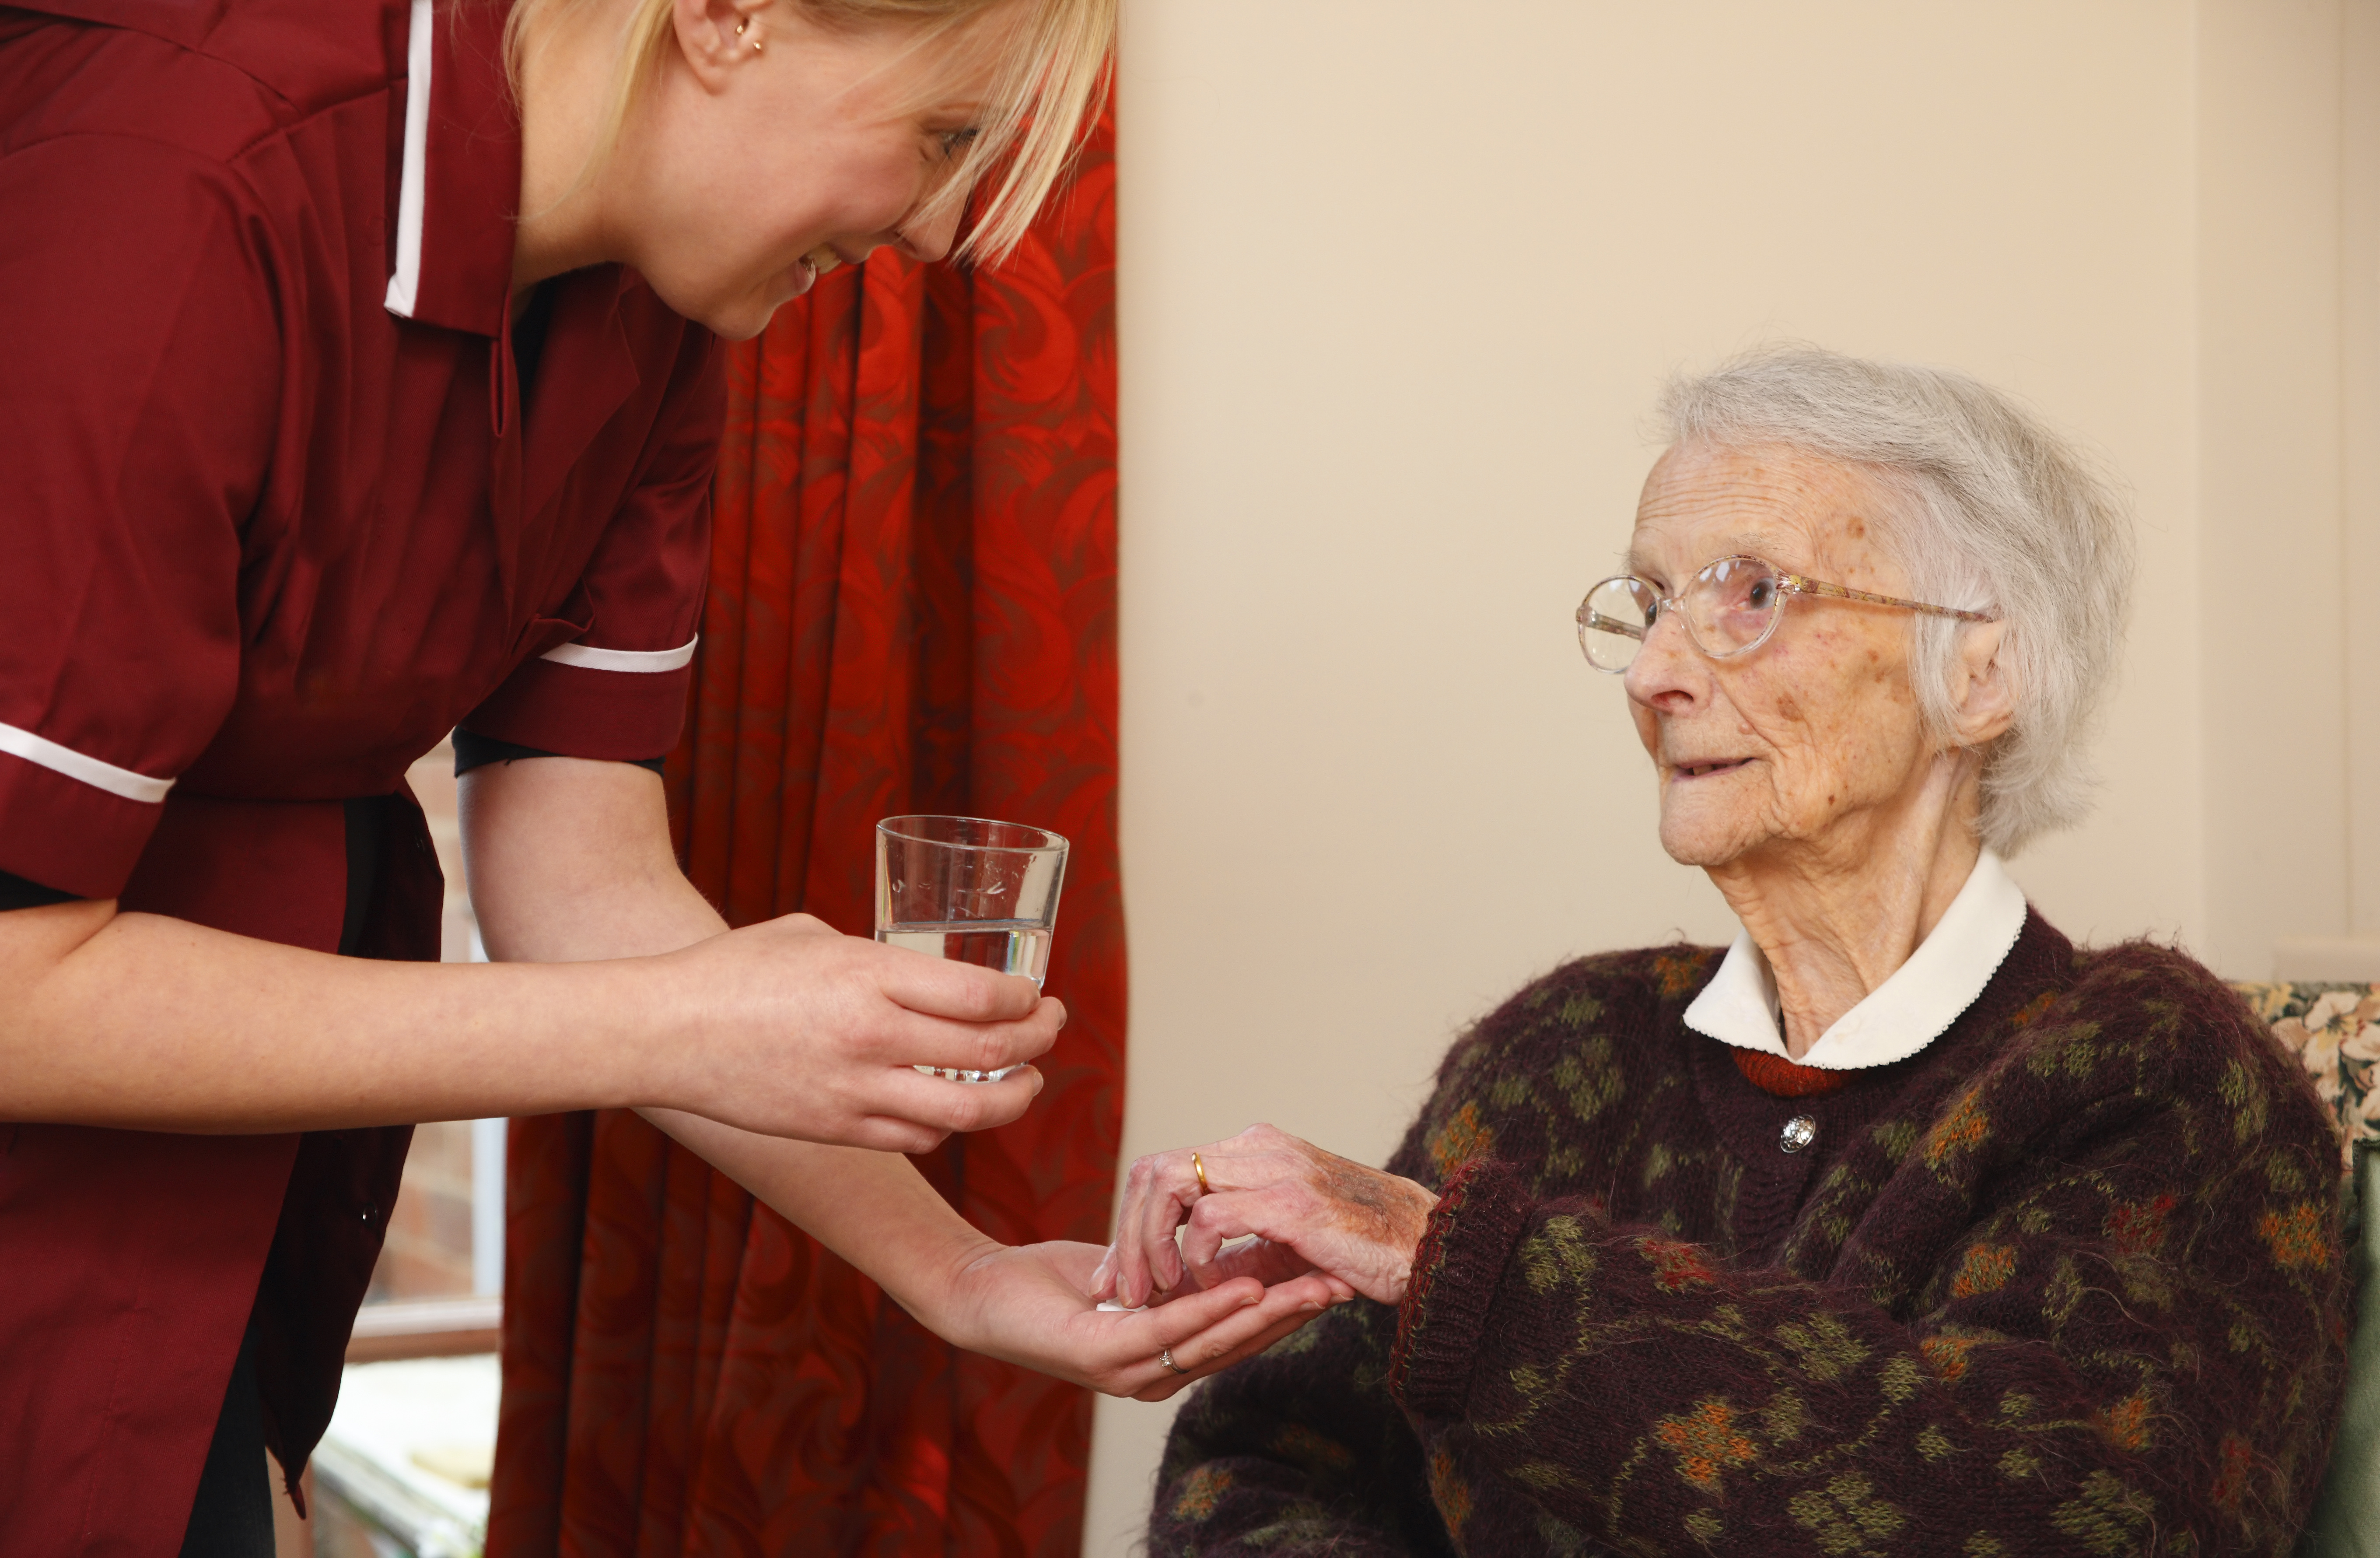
[{"x": 721, "y": 37}]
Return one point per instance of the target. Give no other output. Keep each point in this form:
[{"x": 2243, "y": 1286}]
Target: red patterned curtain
[{"x": 912, "y": 609}]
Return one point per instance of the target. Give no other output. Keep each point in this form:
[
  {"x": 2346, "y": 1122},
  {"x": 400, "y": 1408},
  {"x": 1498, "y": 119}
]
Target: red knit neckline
[{"x": 1783, "y": 1078}]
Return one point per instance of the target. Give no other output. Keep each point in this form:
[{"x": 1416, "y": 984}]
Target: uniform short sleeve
[
  {"x": 615, "y": 687},
  {"x": 139, "y": 387}
]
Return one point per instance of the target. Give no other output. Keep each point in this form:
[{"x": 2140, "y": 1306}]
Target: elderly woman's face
[{"x": 1785, "y": 741}]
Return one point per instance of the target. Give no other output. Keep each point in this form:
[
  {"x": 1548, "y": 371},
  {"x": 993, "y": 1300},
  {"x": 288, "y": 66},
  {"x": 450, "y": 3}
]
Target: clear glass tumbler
[{"x": 971, "y": 890}]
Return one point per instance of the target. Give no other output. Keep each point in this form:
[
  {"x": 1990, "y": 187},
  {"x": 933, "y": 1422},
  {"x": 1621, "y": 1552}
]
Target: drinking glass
[{"x": 971, "y": 890}]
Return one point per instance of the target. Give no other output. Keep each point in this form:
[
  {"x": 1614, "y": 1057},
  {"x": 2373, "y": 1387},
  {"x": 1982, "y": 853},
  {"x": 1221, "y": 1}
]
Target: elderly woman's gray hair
[{"x": 1991, "y": 511}]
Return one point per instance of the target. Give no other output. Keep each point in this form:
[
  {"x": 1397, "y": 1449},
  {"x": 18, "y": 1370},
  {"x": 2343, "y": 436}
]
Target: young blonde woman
[{"x": 362, "y": 382}]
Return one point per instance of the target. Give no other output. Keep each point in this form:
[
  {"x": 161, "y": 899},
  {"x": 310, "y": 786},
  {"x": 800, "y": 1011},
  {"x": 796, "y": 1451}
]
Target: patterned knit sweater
[{"x": 2067, "y": 1280}]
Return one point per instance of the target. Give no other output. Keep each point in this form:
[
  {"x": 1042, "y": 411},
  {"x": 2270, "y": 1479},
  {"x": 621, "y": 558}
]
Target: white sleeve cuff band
[
  {"x": 89, "y": 769},
  {"x": 633, "y": 661},
  {"x": 404, "y": 282}
]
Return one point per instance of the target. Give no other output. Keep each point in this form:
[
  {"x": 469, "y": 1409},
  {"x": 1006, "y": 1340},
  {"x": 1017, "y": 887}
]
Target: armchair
[{"x": 2334, "y": 1029}]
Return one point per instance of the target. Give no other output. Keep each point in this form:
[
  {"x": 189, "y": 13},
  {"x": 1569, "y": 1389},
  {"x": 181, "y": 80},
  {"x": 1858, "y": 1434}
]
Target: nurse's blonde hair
[{"x": 1044, "y": 94}]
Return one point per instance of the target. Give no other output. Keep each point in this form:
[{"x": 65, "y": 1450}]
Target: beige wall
[
  {"x": 1398, "y": 283},
  {"x": 2271, "y": 459}
]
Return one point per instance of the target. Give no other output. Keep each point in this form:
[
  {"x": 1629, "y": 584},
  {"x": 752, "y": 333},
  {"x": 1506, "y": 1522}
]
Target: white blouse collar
[{"x": 1911, "y": 1009}]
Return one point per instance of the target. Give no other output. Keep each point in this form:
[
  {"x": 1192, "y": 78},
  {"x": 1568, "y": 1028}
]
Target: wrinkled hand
[
  {"x": 793, "y": 1029},
  {"x": 1311, "y": 1211},
  {"x": 1032, "y": 1305}
]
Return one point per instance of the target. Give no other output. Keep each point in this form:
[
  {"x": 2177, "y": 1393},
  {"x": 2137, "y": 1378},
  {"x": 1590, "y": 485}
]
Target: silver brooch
[{"x": 1799, "y": 1132}]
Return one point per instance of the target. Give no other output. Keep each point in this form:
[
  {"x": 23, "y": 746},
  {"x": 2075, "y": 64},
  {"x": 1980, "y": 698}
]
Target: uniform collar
[
  {"x": 459, "y": 192},
  {"x": 1912, "y": 1008}
]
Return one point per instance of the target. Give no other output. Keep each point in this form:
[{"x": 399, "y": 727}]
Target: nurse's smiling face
[{"x": 749, "y": 172}]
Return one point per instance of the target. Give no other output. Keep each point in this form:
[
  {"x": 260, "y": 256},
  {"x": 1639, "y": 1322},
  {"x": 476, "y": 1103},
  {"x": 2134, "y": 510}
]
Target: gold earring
[{"x": 739, "y": 32}]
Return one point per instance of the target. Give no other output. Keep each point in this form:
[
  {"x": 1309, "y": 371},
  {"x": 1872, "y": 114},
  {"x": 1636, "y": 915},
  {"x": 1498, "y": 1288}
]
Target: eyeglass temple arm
[
  {"x": 1609, "y": 625},
  {"x": 1820, "y": 587}
]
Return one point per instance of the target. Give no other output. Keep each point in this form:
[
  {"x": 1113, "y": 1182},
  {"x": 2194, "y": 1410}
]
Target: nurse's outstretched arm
[
  {"x": 571, "y": 860},
  {"x": 1028, "y": 1304},
  {"x": 145, "y": 1022}
]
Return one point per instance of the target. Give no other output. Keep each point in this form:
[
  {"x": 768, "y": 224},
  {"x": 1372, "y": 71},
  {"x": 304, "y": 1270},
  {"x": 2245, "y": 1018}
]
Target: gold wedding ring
[
  {"x": 1165, "y": 1358},
  {"x": 1200, "y": 1170}
]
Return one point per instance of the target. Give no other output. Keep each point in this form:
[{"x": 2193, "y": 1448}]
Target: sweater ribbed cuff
[{"x": 1456, "y": 1270}]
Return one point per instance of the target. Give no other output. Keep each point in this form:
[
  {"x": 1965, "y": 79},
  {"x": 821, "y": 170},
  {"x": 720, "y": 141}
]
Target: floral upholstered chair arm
[{"x": 2334, "y": 1029}]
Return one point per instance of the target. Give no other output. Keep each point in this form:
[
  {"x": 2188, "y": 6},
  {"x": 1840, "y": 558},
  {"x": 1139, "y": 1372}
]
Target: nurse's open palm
[
  {"x": 795, "y": 1030},
  {"x": 1031, "y": 1305}
]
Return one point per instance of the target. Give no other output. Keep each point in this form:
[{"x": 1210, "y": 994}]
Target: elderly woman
[{"x": 1903, "y": 1226}]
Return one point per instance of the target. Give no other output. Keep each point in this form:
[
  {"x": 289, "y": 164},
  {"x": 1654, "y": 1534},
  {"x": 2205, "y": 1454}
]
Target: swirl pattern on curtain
[{"x": 912, "y": 609}]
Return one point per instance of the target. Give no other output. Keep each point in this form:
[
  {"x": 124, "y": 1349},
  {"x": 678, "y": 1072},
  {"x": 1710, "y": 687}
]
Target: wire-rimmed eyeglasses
[{"x": 1730, "y": 607}]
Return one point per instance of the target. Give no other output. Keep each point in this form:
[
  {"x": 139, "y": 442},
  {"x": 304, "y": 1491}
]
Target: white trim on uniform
[
  {"x": 590, "y": 659},
  {"x": 91, "y": 770},
  {"x": 404, "y": 287}
]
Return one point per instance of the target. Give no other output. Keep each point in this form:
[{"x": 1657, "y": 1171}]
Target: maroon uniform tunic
[{"x": 272, "y": 520}]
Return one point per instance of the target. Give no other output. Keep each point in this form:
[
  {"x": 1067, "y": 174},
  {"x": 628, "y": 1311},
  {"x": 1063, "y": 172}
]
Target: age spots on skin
[{"x": 1787, "y": 707}]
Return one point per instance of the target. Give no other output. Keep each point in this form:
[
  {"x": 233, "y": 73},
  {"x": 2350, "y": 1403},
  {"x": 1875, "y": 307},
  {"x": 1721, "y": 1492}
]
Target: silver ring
[{"x": 1165, "y": 1358}]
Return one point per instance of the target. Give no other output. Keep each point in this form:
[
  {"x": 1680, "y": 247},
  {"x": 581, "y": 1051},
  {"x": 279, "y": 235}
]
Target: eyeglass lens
[
  {"x": 1613, "y": 620},
  {"x": 1730, "y": 606}
]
